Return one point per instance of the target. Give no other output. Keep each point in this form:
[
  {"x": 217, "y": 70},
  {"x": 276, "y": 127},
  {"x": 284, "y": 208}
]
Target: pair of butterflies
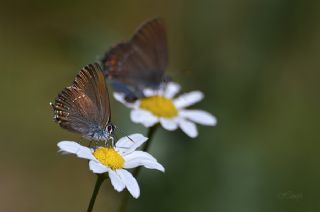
[{"x": 131, "y": 66}]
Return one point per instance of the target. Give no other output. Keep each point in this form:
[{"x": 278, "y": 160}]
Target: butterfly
[
  {"x": 84, "y": 106},
  {"x": 140, "y": 62}
]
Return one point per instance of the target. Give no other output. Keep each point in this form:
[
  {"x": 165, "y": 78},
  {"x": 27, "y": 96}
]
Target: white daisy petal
[
  {"x": 171, "y": 90},
  {"x": 97, "y": 167},
  {"x": 188, "y": 99},
  {"x": 130, "y": 182},
  {"x": 143, "y": 117},
  {"x": 140, "y": 158},
  {"x": 199, "y": 116},
  {"x": 130, "y": 143},
  {"x": 169, "y": 124},
  {"x": 77, "y": 149},
  {"x": 147, "y": 164},
  {"x": 188, "y": 127},
  {"x": 120, "y": 98},
  {"x": 149, "y": 92},
  {"x": 116, "y": 181},
  {"x": 139, "y": 155}
]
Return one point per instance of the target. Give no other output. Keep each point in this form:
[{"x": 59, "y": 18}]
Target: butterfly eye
[{"x": 110, "y": 128}]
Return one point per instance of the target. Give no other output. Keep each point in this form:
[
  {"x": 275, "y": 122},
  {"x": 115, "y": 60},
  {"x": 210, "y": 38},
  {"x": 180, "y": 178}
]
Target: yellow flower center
[
  {"x": 109, "y": 157},
  {"x": 159, "y": 106}
]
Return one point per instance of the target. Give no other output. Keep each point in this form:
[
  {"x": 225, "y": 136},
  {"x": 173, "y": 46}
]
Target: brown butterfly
[
  {"x": 84, "y": 106},
  {"x": 139, "y": 63}
]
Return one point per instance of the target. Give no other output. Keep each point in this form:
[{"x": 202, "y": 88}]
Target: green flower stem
[
  {"x": 150, "y": 135},
  {"x": 145, "y": 148},
  {"x": 100, "y": 179}
]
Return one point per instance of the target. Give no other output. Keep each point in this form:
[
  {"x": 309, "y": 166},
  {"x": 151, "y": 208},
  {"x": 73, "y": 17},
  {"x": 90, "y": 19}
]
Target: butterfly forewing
[
  {"x": 84, "y": 107},
  {"x": 150, "y": 41},
  {"x": 140, "y": 62}
]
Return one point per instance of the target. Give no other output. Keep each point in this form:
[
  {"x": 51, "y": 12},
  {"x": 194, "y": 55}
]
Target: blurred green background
[{"x": 257, "y": 62}]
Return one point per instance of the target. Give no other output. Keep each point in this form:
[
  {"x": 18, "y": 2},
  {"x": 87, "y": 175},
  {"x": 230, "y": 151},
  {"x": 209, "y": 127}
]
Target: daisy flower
[
  {"x": 161, "y": 106},
  {"x": 115, "y": 160}
]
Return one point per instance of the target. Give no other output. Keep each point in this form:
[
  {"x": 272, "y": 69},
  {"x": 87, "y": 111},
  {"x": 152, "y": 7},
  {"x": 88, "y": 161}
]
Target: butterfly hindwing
[{"x": 84, "y": 107}]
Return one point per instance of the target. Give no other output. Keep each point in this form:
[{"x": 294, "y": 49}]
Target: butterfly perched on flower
[
  {"x": 140, "y": 62},
  {"x": 84, "y": 107},
  {"x": 136, "y": 69}
]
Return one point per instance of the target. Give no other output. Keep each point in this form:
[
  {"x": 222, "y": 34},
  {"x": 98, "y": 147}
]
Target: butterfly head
[{"x": 98, "y": 133}]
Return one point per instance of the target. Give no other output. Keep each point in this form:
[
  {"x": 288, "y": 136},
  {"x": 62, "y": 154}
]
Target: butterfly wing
[
  {"x": 140, "y": 62},
  {"x": 84, "y": 107}
]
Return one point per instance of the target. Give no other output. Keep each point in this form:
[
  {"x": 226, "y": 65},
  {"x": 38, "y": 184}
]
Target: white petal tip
[
  {"x": 118, "y": 189},
  {"x": 62, "y": 143},
  {"x": 68, "y": 146},
  {"x": 135, "y": 195},
  {"x": 193, "y": 136},
  {"x": 212, "y": 121},
  {"x": 118, "y": 96},
  {"x": 162, "y": 169},
  {"x": 159, "y": 167}
]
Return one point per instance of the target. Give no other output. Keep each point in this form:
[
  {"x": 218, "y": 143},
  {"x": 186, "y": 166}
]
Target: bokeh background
[{"x": 256, "y": 61}]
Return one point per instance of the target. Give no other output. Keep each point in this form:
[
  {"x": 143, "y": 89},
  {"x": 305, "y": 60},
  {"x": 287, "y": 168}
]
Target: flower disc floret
[
  {"x": 160, "y": 106},
  {"x": 109, "y": 157}
]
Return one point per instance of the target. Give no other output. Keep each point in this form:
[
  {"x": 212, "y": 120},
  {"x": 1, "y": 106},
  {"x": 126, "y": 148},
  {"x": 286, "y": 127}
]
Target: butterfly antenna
[
  {"x": 163, "y": 86},
  {"x": 117, "y": 137},
  {"x": 116, "y": 127},
  {"x": 165, "y": 82}
]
